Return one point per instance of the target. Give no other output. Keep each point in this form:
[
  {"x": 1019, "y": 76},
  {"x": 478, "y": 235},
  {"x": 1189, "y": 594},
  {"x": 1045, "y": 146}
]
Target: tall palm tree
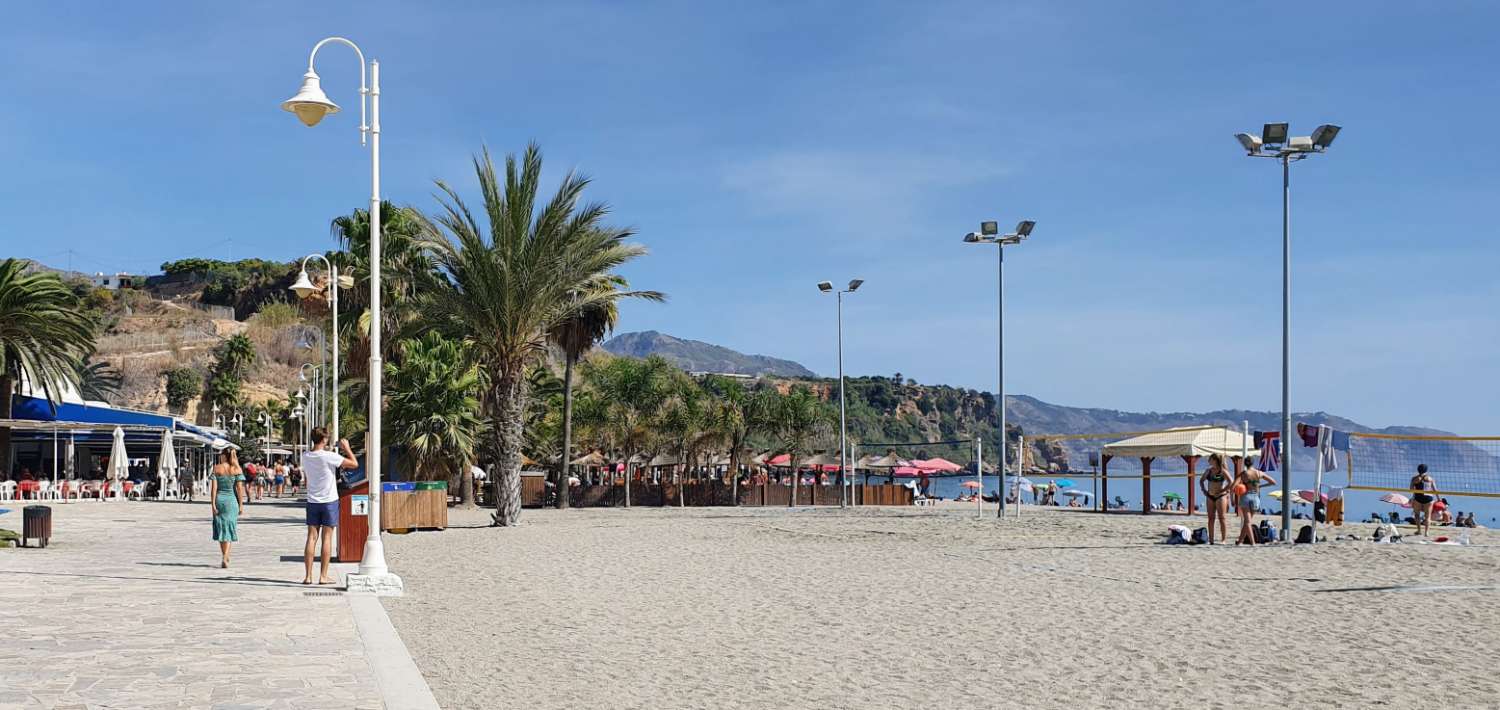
[
  {"x": 632, "y": 393},
  {"x": 44, "y": 335},
  {"x": 506, "y": 285},
  {"x": 796, "y": 419},
  {"x": 578, "y": 334},
  {"x": 433, "y": 407}
]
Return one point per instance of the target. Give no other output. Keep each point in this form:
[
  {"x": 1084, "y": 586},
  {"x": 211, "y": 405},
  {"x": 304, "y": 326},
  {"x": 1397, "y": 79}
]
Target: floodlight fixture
[
  {"x": 854, "y": 285},
  {"x": 1323, "y": 137},
  {"x": 973, "y": 238},
  {"x": 1273, "y": 134},
  {"x": 989, "y": 228},
  {"x": 825, "y": 286},
  {"x": 1252, "y": 143},
  {"x": 1023, "y": 229}
]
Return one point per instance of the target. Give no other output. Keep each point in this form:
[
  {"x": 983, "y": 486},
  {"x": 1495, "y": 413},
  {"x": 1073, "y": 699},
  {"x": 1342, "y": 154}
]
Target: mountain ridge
[{"x": 698, "y": 356}]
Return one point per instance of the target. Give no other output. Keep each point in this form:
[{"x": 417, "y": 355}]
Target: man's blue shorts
[{"x": 323, "y": 514}]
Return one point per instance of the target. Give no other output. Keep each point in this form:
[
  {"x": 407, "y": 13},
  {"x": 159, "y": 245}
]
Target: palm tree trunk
[
  {"x": 466, "y": 487},
  {"x": 7, "y": 388},
  {"x": 563, "y": 490},
  {"x": 734, "y": 473},
  {"x": 510, "y": 400},
  {"x": 791, "y": 462}
]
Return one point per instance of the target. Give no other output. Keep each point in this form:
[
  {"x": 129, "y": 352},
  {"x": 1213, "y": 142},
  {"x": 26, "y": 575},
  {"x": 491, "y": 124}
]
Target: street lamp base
[{"x": 380, "y": 585}]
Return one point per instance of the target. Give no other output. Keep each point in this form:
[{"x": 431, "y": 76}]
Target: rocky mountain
[{"x": 697, "y": 356}]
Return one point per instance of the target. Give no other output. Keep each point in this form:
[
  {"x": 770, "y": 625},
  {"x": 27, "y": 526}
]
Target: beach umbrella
[
  {"x": 970, "y": 484},
  {"x": 1075, "y": 493},
  {"x": 68, "y": 465},
  {"x": 1171, "y": 496},
  {"x": 938, "y": 464},
  {"x": 889, "y": 461},
  {"x": 1023, "y": 483},
  {"x": 1064, "y": 483},
  {"x": 119, "y": 461},
  {"x": 1309, "y": 496},
  {"x": 1396, "y": 499},
  {"x": 821, "y": 461},
  {"x": 166, "y": 464}
]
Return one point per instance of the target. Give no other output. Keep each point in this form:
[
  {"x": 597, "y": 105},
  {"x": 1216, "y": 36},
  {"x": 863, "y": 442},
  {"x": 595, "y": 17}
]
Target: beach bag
[
  {"x": 1200, "y": 536},
  {"x": 1305, "y": 535},
  {"x": 1262, "y": 533},
  {"x": 1177, "y": 535}
]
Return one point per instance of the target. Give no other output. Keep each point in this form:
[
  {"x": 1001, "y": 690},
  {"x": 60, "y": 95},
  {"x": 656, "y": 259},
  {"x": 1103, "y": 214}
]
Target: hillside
[{"x": 696, "y": 356}]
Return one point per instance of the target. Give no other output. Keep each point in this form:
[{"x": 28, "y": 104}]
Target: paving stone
[{"x": 138, "y": 614}]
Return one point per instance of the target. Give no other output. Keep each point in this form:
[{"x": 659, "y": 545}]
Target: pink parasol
[
  {"x": 938, "y": 464},
  {"x": 1396, "y": 499},
  {"x": 1309, "y": 496},
  {"x": 970, "y": 484}
]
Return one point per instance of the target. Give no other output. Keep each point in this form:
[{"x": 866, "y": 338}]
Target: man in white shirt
[{"x": 321, "y": 467}]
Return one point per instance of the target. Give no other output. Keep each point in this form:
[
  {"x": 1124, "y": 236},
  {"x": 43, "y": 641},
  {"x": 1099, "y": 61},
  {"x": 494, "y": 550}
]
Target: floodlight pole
[
  {"x": 843, "y": 420},
  {"x": 1286, "y": 344},
  {"x": 1000, "y": 376}
]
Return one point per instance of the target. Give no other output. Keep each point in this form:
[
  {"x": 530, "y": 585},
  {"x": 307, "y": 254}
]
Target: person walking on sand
[
  {"x": 1215, "y": 485},
  {"x": 1247, "y": 488},
  {"x": 1424, "y": 490},
  {"x": 321, "y": 467},
  {"x": 226, "y": 494}
]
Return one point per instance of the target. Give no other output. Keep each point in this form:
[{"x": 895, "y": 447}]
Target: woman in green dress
[{"x": 225, "y": 495}]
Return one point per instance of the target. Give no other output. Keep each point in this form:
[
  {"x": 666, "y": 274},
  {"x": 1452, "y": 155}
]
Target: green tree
[
  {"x": 183, "y": 384},
  {"x": 630, "y": 394},
  {"x": 510, "y": 283},
  {"x": 736, "y": 414},
  {"x": 44, "y": 335},
  {"x": 235, "y": 356},
  {"x": 433, "y": 408},
  {"x": 795, "y": 419},
  {"x": 577, "y": 334}
]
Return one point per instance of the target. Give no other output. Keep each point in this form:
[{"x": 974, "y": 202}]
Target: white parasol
[{"x": 166, "y": 465}]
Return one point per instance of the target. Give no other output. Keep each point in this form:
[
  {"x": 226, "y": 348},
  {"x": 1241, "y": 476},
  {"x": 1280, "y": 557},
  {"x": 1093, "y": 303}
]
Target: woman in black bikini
[
  {"x": 1215, "y": 486},
  {"x": 1424, "y": 491}
]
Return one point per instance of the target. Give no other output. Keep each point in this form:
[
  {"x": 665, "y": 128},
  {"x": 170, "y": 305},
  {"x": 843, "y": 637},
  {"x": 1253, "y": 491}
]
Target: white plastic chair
[
  {"x": 137, "y": 491},
  {"x": 7, "y": 490},
  {"x": 44, "y": 490},
  {"x": 68, "y": 489},
  {"x": 115, "y": 490}
]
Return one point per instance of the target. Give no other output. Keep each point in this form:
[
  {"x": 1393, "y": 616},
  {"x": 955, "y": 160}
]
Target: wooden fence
[{"x": 716, "y": 493}]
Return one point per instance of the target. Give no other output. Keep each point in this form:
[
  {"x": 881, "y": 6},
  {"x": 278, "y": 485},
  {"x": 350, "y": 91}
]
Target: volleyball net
[{"x": 1459, "y": 465}]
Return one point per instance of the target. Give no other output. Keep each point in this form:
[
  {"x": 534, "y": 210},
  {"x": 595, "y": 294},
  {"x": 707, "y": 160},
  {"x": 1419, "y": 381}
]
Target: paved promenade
[{"x": 128, "y": 609}]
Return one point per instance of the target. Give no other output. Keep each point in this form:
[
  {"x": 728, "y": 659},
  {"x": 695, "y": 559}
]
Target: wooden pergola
[{"x": 1186, "y": 443}]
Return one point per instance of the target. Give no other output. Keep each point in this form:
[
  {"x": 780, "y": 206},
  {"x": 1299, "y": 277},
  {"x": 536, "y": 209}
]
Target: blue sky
[{"x": 762, "y": 147}]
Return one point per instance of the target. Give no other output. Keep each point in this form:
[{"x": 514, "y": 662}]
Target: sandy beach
[{"x": 933, "y": 608}]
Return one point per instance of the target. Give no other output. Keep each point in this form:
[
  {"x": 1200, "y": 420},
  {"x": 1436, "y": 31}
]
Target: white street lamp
[
  {"x": 305, "y": 288},
  {"x": 311, "y": 105},
  {"x": 827, "y": 287},
  {"x": 1274, "y": 142},
  {"x": 989, "y": 233}
]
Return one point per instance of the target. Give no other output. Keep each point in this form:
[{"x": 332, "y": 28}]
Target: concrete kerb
[{"x": 401, "y": 683}]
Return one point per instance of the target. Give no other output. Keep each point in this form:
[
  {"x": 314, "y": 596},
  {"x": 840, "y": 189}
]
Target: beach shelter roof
[
  {"x": 888, "y": 461},
  {"x": 823, "y": 460},
  {"x": 759, "y": 459},
  {"x": 592, "y": 458},
  {"x": 663, "y": 460},
  {"x": 778, "y": 460},
  {"x": 1183, "y": 441}
]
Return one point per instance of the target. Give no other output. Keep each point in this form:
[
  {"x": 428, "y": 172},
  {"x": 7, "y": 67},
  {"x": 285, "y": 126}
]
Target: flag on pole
[{"x": 1270, "y": 457}]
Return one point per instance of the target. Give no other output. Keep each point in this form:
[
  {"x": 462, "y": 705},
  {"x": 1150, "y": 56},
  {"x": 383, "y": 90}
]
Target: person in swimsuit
[
  {"x": 226, "y": 495},
  {"x": 1215, "y": 485},
  {"x": 1424, "y": 490},
  {"x": 1247, "y": 487}
]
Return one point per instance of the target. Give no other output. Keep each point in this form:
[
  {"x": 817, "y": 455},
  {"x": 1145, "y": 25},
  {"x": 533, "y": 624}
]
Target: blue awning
[{"x": 38, "y": 409}]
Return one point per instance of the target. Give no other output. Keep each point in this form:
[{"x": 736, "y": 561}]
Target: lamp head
[
  {"x": 301, "y": 395},
  {"x": 310, "y": 104},
  {"x": 825, "y": 286},
  {"x": 973, "y": 238},
  {"x": 304, "y": 286},
  {"x": 854, "y": 285},
  {"x": 1023, "y": 229},
  {"x": 1273, "y": 134},
  {"x": 1323, "y": 137},
  {"x": 989, "y": 228},
  {"x": 1251, "y": 143}
]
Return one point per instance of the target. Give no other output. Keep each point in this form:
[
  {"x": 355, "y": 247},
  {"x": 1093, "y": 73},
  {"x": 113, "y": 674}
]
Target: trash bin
[{"x": 36, "y": 521}]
